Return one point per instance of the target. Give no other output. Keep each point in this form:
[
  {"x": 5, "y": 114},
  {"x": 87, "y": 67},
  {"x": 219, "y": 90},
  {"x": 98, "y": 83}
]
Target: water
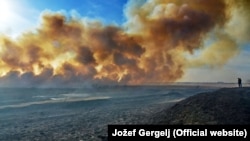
[
  {"x": 23, "y": 97},
  {"x": 75, "y": 114},
  {"x": 15, "y": 97}
]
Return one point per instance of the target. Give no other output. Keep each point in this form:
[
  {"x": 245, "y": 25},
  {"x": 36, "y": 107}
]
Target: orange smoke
[{"x": 150, "y": 48}]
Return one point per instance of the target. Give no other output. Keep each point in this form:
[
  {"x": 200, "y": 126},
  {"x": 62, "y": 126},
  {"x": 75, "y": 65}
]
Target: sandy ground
[{"x": 227, "y": 106}]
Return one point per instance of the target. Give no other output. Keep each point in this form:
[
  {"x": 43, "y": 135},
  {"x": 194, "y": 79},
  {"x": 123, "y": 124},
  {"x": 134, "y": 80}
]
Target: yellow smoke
[{"x": 150, "y": 47}]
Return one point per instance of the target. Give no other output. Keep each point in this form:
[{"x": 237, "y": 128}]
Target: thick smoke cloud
[
  {"x": 238, "y": 27},
  {"x": 151, "y": 47}
]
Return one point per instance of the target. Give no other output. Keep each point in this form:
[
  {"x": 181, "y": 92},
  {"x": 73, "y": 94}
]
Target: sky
[
  {"x": 73, "y": 43},
  {"x": 27, "y": 12}
]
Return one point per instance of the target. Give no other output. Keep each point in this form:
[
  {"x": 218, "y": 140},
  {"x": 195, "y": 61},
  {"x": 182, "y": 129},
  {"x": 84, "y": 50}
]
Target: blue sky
[
  {"x": 21, "y": 15},
  {"x": 109, "y": 11}
]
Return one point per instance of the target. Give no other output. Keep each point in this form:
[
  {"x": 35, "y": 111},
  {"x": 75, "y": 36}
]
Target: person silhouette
[{"x": 239, "y": 82}]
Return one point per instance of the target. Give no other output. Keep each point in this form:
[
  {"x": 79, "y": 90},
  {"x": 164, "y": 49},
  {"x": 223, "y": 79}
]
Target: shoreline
[{"x": 88, "y": 120}]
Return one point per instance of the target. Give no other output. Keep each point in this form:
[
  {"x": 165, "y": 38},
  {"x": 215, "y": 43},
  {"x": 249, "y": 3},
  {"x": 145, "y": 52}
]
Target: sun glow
[
  {"x": 6, "y": 11},
  {"x": 13, "y": 17}
]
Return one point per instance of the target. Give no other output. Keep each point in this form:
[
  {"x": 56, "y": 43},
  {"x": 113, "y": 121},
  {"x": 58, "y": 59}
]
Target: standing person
[{"x": 239, "y": 82}]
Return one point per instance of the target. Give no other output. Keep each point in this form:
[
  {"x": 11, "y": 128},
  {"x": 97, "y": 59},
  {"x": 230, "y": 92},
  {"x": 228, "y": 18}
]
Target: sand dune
[{"x": 224, "y": 106}]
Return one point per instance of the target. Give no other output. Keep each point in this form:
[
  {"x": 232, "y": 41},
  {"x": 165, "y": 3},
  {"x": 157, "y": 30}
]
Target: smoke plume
[{"x": 151, "y": 47}]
